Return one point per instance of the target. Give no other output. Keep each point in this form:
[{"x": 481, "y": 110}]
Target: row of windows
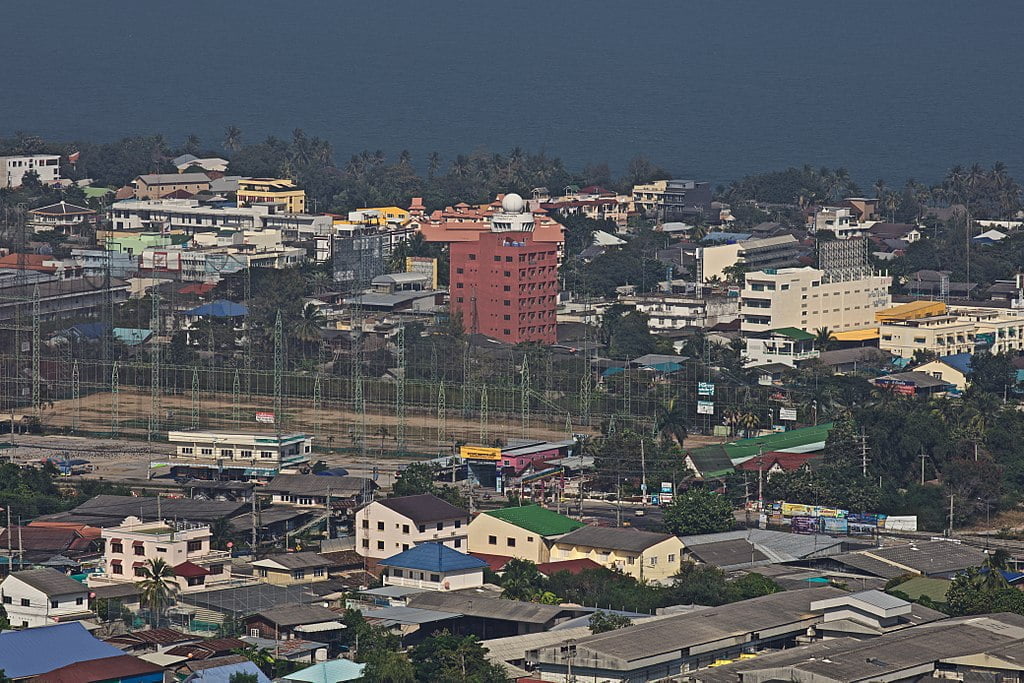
[
  {"x": 398, "y": 573},
  {"x": 405, "y": 527},
  {"x": 225, "y": 452},
  {"x": 456, "y": 543},
  {"x": 510, "y": 542},
  {"x": 54, "y": 604}
]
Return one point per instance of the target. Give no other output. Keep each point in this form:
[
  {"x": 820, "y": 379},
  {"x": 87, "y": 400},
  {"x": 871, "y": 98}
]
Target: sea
[{"x": 710, "y": 90}]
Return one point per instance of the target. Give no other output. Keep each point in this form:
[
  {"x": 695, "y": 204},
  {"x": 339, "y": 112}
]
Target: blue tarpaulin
[{"x": 221, "y": 308}]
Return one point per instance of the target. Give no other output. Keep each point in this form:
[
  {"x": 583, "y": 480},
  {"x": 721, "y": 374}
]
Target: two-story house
[
  {"x": 186, "y": 547},
  {"x": 525, "y": 532},
  {"x": 42, "y": 597},
  {"x": 644, "y": 555},
  {"x": 387, "y": 527}
]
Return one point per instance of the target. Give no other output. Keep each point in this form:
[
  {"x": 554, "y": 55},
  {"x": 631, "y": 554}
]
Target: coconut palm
[
  {"x": 991, "y": 578},
  {"x": 748, "y": 422},
  {"x": 671, "y": 422},
  {"x": 157, "y": 586},
  {"x": 433, "y": 164},
  {"x": 309, "y": 325},
  {"x": 232, "y": 138},
  {"x": 823, "y": 338},
  {"x": 879, "y": 188}
]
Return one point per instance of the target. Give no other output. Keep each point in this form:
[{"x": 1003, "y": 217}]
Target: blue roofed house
[
  {"x": 954, "y": 369},
  {"x": 63, "y": 644},
  {"x": 221, "y": 308},
  {"x": 433, "y": 566}
]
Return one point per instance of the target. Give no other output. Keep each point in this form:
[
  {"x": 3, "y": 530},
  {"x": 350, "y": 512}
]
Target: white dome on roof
[{"x": 512, "y": 203}]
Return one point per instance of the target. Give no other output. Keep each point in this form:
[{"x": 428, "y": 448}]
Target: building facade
[
  {"x": 14, "y": 168},
  {"x": 806, "y": 299},
  {"x": 186, "y": 547},
  {"x": 62, "y": 218},
  {"x": 387, "y": 527},
  {"x": 669, "y": 200},
  {"x": 524, "y": 532},
  {"x": 157, "y": 185},
  {"x": 222, "y": 455},
  {"x": 277, "y": 191},
  {"x": 644, "y": 555},
  {"x": 505, "y": 285},
  {"x": 755, "y": 254},
  {"x": 42, "y": 597}
]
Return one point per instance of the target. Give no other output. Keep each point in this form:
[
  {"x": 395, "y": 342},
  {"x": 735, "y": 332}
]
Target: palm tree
[
  {"x": 405, "y": 158},
  {"x": 232, "y": 138},
  {"x": 318, "y": 282},
  {"x": 192, "y": 144},
  {"x": 823, "y": 338},
  {"x": 734, "y": 274},
  {"x": 698, "y": 232},
  {"x": 671, "y": 423},
  {"x": 157, "y": 585},
  {"x": 892, "y": 202},
  {"x": 879, "y": 188},
  {"x": 991, "y": 577},
  {"x": 433, "y": 164},
  {"x": 311, "y": 321},
  {"x": 748, "y": 422}
]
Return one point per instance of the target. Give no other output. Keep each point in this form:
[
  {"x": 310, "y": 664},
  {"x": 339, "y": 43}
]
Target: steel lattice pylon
[
  {"x": 524, "y": 396},
  {"x": 195, "y": 398},
  {"x": 37, "y": 403},
  {"x": 236, "y": 408},
  {"x": 115, "y": 400},
  {"x": 76, "y": 397},
  {"x": 483, "y": 415},
  {"x": 400, "y": 388},
  {"x": 442, "y": 417},
  {"x": 155, "y": 407},
  {"x": 278, "y": 372}
]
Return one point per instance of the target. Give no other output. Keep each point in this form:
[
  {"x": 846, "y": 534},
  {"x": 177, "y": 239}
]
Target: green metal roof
[
  {"x": 794, "y": 333},
  {"x": 540, "y": 521},
  {"x": 915, "y": 588},
  {"x": 713, "y": 460}
]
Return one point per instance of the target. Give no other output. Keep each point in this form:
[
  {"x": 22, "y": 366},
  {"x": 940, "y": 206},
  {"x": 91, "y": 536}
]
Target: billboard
[
  {"x": 479, "y": 453},
  {"x": 705, "y": 408},
  {"x": 804, "y": 525},
  {"x": 705, "y": 388},
  {"x": 787, "y": 414},
  {"x": 265, "y": 417}
]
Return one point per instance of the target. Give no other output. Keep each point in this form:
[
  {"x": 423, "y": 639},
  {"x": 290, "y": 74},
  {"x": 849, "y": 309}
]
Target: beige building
[
  {"x": 525, "y": 532},
  {"x": 237, "y": 456},
  {"x": 805, "y": 299},
  {"x": 644, "y": 555},
  {"x": 770, "y": 252},
  {"x": 184, "y": 546},
  {"x": 940, "y": 369},
  {"x": 157, "y": 185},
  {"x": 289, "y": 569},
  {"x": 997, "y": 330},
  {"x": 387, "y": 527},
  {"x": 278, "y": 191},
  {"x": 944, "y": 335}
]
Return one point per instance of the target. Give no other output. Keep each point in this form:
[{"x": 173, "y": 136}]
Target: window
[
  {"x": 497, "y": 258},
  {"x": 266, "y": 454},
  {"x": 161, "y": 550},
  {"x": 380, "y": 526},
  {"x": 139, "y": 550},
  {"x": 318, "y": 571},
  {"x": 457, "y": 543},
  {"x": 7, "y": 600},
  {"x": 186, "y": 450},
  {"x": 436, "y": 578},
  {"x": 458, "y": 523},
  {"x": 440, "y": 526},
  {"x": 366, "y": 524},
  {"x": 511, "y": 542},
  {"x": 652, "y": 561},
  {"x": 54, "y": 604},
  {"x": 246, "y": 454},
  {"x": 116, "y": 569},
  {"x": 116, "y": 548},
  {"x": 380, "y": 545},
  {"x": 630, "y": 560},
  {"x": 216, "y": 569},
  {"x": 206, "y": 451},
  {"x": 299, "y": 574},
  {"x": 254, "y": 633},
  {"x": 422, "y": 528},
  {"x": 261, "y": 572},
  {"x": 492, "y": 540},
  {"x": 472, "y": 257},
  {"x": 405, "y": 546},
  {"x": 506, "y": 288},
  {"x": 366, "y": 543},
  {"x": 529, "y": 539},
  {"x": 405, "y": 528},
  {"x": 194, "y": 546},
  {"x": 79, "y": 601},
  {"x": 229, "y": 453},
  {"x": 671, "y": 558},
  {"x": 25, "y": 602}
]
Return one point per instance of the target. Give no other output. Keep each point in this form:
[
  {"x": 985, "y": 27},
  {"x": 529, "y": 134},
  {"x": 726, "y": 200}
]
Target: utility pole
[
  {"x": 951, "y": 515},
  {"x": 922, "y": 456},
  {"x": 760, "y": 475},
  {"x": 643, "y": 470},
  {"x": 255, "y": 528},
  {"x": 329, "y": 535}
]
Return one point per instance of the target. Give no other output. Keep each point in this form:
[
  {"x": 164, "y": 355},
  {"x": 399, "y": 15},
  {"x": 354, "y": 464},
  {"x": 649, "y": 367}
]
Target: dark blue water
[{"x": 714, "y": 90}]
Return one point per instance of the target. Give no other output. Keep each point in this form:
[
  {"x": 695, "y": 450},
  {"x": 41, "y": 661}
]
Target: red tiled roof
[
  {"x": 190, "y": 570},
  {"x": 495, "y": 562},
  {"x": 105, "y": 669},
  {"x": 787, "y": 461},
  {"x": 30, "y": 261},
  {"x": 45, "y": 539},
  {"x": 198, "y": 288},
  {"x": 571, "y": 566}
]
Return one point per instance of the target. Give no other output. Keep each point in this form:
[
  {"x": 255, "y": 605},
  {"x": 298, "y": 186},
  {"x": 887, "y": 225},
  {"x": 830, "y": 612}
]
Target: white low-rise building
[
  {"x": 667, "y": 312},
  {"x": 390, "y": 526},
  {"x": 43, "y": 597},
  {"x": 433, "y": 566},
  {"x": 14, "y": 168},
  {"x": 185, "y": 547},
  {"x": 236, "y": 456},
  {"x": 786, "y": 345},
  {"x": 751, "y": 254}
]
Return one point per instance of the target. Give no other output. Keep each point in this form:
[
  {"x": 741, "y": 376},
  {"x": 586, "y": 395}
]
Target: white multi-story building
[
  {"x": 43, "y": 597},
  {"x": 14, "y": 168},
  {"x": 841, "y": 220},
  {"x": 667, "y": 312},
  {"x": 770, "y": 252},
  {"x": 223, "y": 455},
  {"x": 186, "y": 547},
  {"x": 786, "y": 345},
  {"x": 388, "y": 527},
  {"x": 806, "y": 299},
  {"x": 192, "y": 215},
  {"x": 964, "y": 329}
]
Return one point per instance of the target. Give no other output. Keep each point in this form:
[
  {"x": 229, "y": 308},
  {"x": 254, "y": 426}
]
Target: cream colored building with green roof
[{"x": 525, "y": 532}]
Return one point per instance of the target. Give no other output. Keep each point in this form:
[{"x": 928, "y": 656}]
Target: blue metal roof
[
  {"x": 63, "y": 644},
  {"x": 221, "y": 308},
  {"x": 89, "y": 330},
  {"x": 958, "y": 361},
  {"x": 223, "y": 674},
  {"x": 433, "y": 557}
]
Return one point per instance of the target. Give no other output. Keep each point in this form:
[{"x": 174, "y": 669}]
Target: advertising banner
[
  {"x": 265, "y": 417},
  {"x": 479, "y": 453},
  {"x": 705, "y": 408},
  {"x": 804, "y": 525},
  {"x": 787, "y": 414},
  {"x": 705, "y": 388},
  {"x": 834, "y": 525}
]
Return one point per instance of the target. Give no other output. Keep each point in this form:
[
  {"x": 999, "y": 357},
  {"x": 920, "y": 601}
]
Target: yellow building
[
  {"x": 385, "y": 215},
  {"x": 271, "y": 191},
  {"x": 911, "y": 311},
  {"x": 644, "y": 555},
  {"x": 290, "y": 569},
  {"x": 944, "y": 370},
  {"x": 524, "y": 532}
]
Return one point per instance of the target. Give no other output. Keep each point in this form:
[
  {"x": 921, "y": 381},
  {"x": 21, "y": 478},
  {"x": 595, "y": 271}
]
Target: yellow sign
[{"x": 480, "y": 453}]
